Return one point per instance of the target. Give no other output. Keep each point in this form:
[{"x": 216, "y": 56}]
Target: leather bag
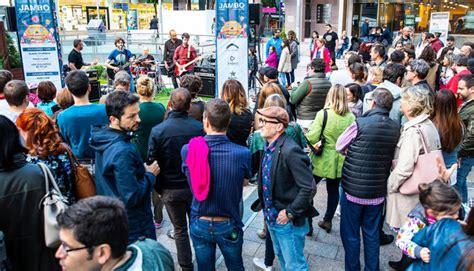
[
  {"x": 52, "y": 204},
  {"x": 425, "y": 169},
  {"x": 84, "y": 184}
]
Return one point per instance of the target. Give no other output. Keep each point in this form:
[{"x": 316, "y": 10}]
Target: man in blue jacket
[
  {"x": 120, "y": 171},
  {"x": 274, "y": 41}
]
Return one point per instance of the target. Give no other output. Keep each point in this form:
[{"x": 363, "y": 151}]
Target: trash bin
[{"x": 96, "y": 32}]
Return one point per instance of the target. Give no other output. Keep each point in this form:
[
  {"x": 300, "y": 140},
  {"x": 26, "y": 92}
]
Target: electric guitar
[
  {"x": 111, "y": 72},
  {"x": 181, "y": 67}
]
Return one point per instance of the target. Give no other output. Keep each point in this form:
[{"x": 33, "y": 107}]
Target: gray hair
[
  {"x": 383, "y": 98},
  {"x": 460, "y": 60},
  {"x": 419, "y": 100},
  {"x": 122, "y": 78},
  {"x": 420, "y": 67},
  {"x": 275, "y": 100}
]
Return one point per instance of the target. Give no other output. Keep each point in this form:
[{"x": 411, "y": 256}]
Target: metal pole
[
  {"x": 161, "y": 21},
  {"x": 98, "y": 9}
]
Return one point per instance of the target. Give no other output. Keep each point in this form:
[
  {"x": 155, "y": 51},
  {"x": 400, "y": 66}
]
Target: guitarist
[
  {"x": 170, "y": 48},
  {"x": 119, "y": 59},
  {"x": 184, "y": 54}
]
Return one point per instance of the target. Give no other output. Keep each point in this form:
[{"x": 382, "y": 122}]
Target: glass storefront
[{"x": 416, "y": 14}]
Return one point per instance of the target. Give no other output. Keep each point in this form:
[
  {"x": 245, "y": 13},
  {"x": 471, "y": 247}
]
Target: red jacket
[
  {"x": 453, "y": 84},
  {"x": 326, "y": 56},
  {"x": 436, "y": 45}
]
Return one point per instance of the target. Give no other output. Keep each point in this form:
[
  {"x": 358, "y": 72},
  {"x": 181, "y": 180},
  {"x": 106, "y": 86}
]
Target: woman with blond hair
[
  {"x": 267, "y": 90},
  {"x": 416, "y": 104},
  {"x": 151, "y": 114},
  {"x": 374, "y": 78},
  {"x": 44, "y": 144},
  {"x": 241, "y": 119},
  {"x": 329, "y": 164}
]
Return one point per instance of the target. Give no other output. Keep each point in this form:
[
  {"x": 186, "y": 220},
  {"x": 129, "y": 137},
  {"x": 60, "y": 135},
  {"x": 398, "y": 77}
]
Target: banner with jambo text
[
  {"x": 231, "y": 42},
  {"x": 39, "y": 41}
]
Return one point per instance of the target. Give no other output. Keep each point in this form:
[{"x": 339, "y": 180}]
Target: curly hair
[
  {"x": 233, "y": 93},
  {"x": 192, "y": 83},
  {"x": 42, "y": 135},
  {"x": 145, "y": 86}
]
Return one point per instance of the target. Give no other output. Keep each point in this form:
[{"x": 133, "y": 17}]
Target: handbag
[
  {"x": 317, "y": 149},
  {"x": 53, "y": 203},
  {"x": 84, "y": 184},
  {"x": 424, "y": 171}
]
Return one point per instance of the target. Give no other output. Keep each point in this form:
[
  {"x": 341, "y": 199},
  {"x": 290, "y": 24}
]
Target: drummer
[{"x": 146, "y": 60}]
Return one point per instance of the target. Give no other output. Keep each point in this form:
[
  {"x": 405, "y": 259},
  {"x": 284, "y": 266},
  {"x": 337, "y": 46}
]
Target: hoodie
[
  {"x": 396, "y": 91},
  {"x": 120, "y": 173}
]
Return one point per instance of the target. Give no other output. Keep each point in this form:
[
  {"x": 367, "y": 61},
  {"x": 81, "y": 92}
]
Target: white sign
[{"x": 439, "y": 22}]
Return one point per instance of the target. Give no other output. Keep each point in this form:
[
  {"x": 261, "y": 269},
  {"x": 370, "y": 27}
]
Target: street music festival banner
[
  {"x": 39, "y": 41},
  {"x": 231, "y": 42}
]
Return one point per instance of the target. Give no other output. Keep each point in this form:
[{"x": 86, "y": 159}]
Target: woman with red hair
[{"x": 45, "y": 145}]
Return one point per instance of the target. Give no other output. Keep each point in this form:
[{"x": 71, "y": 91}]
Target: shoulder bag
[
  {"x": 425, "y": 169},
  {"x": 52, "y": 204},
  {"x": 317, "y": 149},
  {"x": 84, "y": 184}
]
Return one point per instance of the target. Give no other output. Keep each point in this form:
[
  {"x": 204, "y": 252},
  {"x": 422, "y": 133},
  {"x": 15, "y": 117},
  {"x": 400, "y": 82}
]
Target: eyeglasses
[
  {"x": 66, "y": 249},
  {"x": 263, "y": 122}
]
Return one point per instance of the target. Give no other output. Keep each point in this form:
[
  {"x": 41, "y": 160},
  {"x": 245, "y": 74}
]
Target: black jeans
[
  {"x": 269, "y": 253},
  {"x": 292, "y": 77},
  {"x": 332, "y": 187},
  {"x": 178, "y": 205}
]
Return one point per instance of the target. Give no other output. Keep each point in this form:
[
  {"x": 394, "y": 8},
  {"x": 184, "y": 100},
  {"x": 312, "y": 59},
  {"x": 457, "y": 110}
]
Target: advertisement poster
[
  {"x": 439, "y": 22},
  {"x": 132, "y": 19},
  {"x": 231, "y": 42},
  {"x": 39, "y": 41}
]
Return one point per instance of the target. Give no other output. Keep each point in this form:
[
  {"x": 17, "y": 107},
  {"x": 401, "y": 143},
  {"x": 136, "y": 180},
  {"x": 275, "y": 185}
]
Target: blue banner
[
  {"x": 39, "y": 41},
  {"x": 231, "y": 42}
]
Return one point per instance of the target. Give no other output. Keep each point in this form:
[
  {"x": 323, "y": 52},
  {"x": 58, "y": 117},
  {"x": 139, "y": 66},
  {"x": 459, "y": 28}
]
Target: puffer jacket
[
  {"x": 310, "y": 96},
  {"x": 466, "y": 113}
]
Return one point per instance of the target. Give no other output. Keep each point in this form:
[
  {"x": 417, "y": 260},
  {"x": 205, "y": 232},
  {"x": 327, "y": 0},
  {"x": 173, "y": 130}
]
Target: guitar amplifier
[
  {"x": 93, "y": 75},
  {"x": 95, "y": 93},
  {"x": 208, "y": 86},
  {"x": 206, "y": 71}
]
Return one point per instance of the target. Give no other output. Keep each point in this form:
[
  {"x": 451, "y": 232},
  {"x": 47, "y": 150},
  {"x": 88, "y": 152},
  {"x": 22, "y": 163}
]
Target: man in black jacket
[
  {"x": 166, "y": 141},
  {"x": 369, "y": 145},
  {"x": 285, "y": 187}
]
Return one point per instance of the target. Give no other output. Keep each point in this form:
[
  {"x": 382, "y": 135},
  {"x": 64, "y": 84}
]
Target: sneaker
[
  {"x": 260, "y": 263},
  {"x": 158, "y": 225},
  {"x": 386, "y": 239},
  {"x": 262, "y": 233},
  {"x": 325, "y": 225},
  {"x": 170, "y": 234}
]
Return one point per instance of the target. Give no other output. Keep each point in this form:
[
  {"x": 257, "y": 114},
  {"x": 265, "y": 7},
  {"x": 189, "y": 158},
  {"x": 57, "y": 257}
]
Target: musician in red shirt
[{"x": 185, "y": 53}]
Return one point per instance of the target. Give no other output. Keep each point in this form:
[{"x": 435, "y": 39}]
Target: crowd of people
[{"x": 391, "y": 137}]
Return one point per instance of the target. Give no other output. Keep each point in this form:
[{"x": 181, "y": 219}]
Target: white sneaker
[{"x": 260, "y": 263}]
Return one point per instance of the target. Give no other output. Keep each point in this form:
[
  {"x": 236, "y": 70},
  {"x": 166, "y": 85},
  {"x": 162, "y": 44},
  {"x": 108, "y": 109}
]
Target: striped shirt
[{"x": 230, "y": 165}]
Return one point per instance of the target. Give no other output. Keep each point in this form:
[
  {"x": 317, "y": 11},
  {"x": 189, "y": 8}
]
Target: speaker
[
  {"x": 11, "y": 19},
  {"x": 255, "y": 15},
  {"x": 208, "y": 87},
  {"x": 95, "y": 94}
]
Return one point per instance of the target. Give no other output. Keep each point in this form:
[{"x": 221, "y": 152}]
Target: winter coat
[
  {"x": 466, "y": 112},
  {"x": 395, "y": 113},
  {"x": 408, "y": 149},
  {"x": 284, "y": 65},
  {"x": 329, "y": 163},
  {"x": 295, "y": 54},
  {"x": 326, "y": 56},
  {"x": 272, "y": 60},
  {"x": 120, "y": 173}
]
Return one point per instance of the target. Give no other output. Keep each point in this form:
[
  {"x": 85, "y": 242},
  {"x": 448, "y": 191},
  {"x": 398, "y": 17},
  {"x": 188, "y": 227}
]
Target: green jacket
[
  {"x": 466, "y": 112},
  {"x": 148, "y": 255},
  {"x": 310, "y": 96},
  {"x": 329, "y": 163}
]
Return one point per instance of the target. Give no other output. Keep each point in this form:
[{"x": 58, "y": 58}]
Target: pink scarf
[{"x": 198, "y": 164}]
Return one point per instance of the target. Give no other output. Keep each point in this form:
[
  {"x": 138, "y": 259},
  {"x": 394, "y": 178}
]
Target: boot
[{"x": 325, "y": 225}]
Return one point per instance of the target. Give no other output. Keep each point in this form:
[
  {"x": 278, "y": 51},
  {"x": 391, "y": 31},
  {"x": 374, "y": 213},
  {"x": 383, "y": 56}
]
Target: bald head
[{"x": 180, "y": 100}]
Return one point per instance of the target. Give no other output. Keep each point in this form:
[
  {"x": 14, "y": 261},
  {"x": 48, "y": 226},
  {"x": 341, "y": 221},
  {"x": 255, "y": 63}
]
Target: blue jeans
[
  {"x": 288, "y": 243},
  {"x": 282, "y": 78},
  {"x": 461, "y": 185},
  {"x": 207, "y": 234},
  {"x": 354, "y": 217}
]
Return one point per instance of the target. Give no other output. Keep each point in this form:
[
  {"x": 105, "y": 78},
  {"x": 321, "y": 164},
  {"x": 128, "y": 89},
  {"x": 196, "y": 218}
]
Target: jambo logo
[
  {"x": 234, "y": 5},
  {"x": 34, "y": 8}
]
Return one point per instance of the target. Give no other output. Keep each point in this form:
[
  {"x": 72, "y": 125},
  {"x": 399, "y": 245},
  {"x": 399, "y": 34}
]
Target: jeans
[
  {"x": 157, "y": 207},
  {"x": 269, "y": 252},
  {"x": 292, "y": 77},
  {"x": 282, "y": 78},
  {"x": 332, "y": 187},
  {"x": 207, "y": 234},
  {"x": 178, "y": 205},
  {"x": 466, "y": 166},
  {"x": 288, "y": 243},
  {"x": 354, "y": 217}
]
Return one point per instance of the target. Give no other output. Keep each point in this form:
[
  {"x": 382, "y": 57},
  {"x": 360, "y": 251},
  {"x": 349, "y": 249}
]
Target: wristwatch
[{"x": 289, "y": 215}]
